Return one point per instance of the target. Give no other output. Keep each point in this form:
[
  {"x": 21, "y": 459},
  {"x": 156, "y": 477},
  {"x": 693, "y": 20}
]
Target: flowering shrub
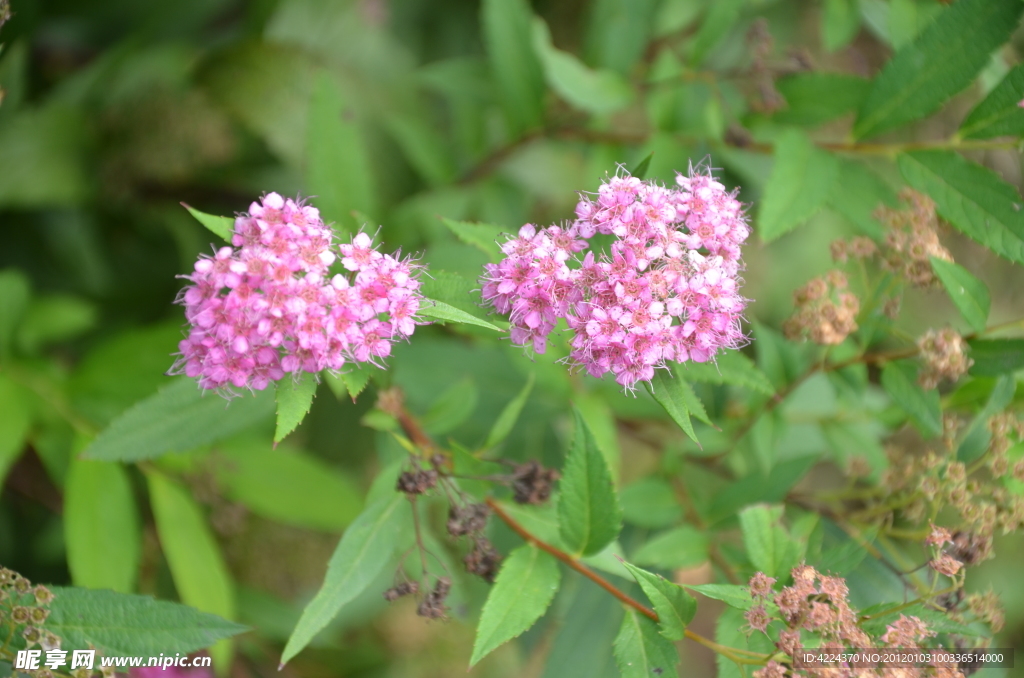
[
  {"x": 764, "y": 409},
  {"x": 666, "y": 292}
]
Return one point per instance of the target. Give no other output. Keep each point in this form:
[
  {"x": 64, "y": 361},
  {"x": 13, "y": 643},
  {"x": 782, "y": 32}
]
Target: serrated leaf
[
  {"x": 999, "y": 113},
  {"x": 642, "y": 652},
  {"x": 857, "y": 195},
  {"x": 525, "y": 585},
  {"x": 351, "y": 382},
  {"x": 294, "y": 398},
  {"x": 177, "y": 418},
  {"x": 15, "y": 422},
  {"x": 197, "y": 567},
  {"x": 674, "y": 606},
  {"x": 588, "y": 508},
  {"x": 640, "y": 171},
  {"x": 972, "y": 198},
  {"x": 940, "y": 62},
  {"x": 595, "y": 91},
  {"x": 899, "y": 379},
  {"x": 366, "y": 546},
  {"x": 840, "y": 22},
  {"x": 222, "y": 227},
  {"x": 996, "y": 357},
  {"x": 732, "y": 595},
  {"x": 770, "y": 548},
  {"x": 484, "y": 237},
  {"x": 121, "y": 624},
  {"x": 678, "y": 548},
  {"x": 721, "y": 17},
  {"x": 731, "y": 368},
  {"x": 338, "y": 168},
  {"x": 815, "y": 98},
  {"x": 447, "y": 313},
  {"x": 101, "y": 526},
  {"x": 969, "y": 294},
  {"x": 288, "y": 486},
  {"x": 801, "y": 180},
  {"x": 668, "y": 392},
  {"x": 508, "y": 38},
  {"x": 509, "y": 415}
]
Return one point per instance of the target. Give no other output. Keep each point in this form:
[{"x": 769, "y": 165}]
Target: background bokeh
[{"x": 115, "y": 112}]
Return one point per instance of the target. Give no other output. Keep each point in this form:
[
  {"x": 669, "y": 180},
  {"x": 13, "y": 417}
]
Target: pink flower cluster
[
  {"x": 268, "y": 306},
  {"x": 667, "y": 290}
]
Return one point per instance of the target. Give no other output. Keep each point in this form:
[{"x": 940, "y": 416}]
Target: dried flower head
[
  {"x": 267, "y": 306},
  {"x": 666, "y": 292},
  {"x": 913, "y": 239},
  {"x": 944, "y": 355},
  {"x": 826, "y": 312}
]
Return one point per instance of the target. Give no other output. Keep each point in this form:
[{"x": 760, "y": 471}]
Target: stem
[{"x": 570, "y": 560}]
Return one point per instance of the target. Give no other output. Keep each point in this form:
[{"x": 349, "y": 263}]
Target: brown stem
[{"x": 569, "y": 560}]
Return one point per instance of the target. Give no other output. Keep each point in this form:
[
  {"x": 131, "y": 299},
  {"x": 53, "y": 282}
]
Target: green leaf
[
  {"x": 484, "y": 237},
  {"x": 975, "y": 441},
  {"x": 642, "y": 652},
  {"x": 588, "y": 509},
  {"x": 447, "y": 313},
  {"x": 101, "y": 526},
  {"x": 595, "y": 91},
  {"x": 509, "y": 416},
  {"x": 650, "y": 503},
  {"x": 721, "y": 17},
  {"x": 857, "y": 195},
  {"x": 425, "y": 149},
  {"x": 731, "y": 367},
  {"x": 840, "y": 23},
  {"x": 55, "y": 318},
  {"x": 366, "y": 546},
  {"x": 338, "y": 167},
  {"x": 998, "y": 114},
  {"x": 15, "y": 422},
  {"x": 996, "y": 357},
  {"x": 669, "y": 392},
  {"x": 120, "y": 624},
  {"x": 678, "y": 548},
  {"x": 768, "y": 544},
  {"x": 899, "y": 379},
  {"x": 732, "y": 595},
  {"x": 508, "y": 38},
  {"x": 523, "y": 589},
  {"x": 800, "y": 181},
  {"x": 815, "y": 98},
  {"x": 350, "y": 383},
  {"x": 968, "y": 293},
  {"x": 287, "y": 485},
  {"x": 177, "y": 418},
  {"x": 452, "y": 407},
  {"x": 294, "y": 398},
  {"x": 222, "y": 227},
  {"x": 47, "y": 146},
  {"x": 617, "y": 33},
  {"x": 197, "y": 567},
  {"x": 907, "y": 18},
  {"x": 972, "y": 198},
  {"x": 940, "y": 62},
  {"x": 15, "y": 291},
  {"x": 600, "y": 420},
  {"x": 640, "y": 171},
  {"x": 675, "y": 607}
]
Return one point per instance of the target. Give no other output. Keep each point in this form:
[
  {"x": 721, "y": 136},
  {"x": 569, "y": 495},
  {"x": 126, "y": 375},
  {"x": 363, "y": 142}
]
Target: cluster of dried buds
[
  {"x": 826, "y": 311},
  {"x": 530, "y": 482},
  {"x": 944, "y": 355}
]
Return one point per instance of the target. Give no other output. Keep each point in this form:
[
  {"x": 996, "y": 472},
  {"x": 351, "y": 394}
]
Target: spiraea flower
[
  {"x": 667, "y": 290},
  {"x": 269, "y": 305}
]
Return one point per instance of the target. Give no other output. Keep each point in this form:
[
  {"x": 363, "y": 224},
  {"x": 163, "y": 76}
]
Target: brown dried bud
[
  {"x": 761, "y": 585},
  {"x": 21, "y": 614},
  {"x": 43, "y": 595},
  {"x": 757, "y": 617},
  {"x": 432, "y": 606},
  {"x": 944, "y": 356},
  {"x": 969, "y": 548},
  {"x": 417, "y": 482},
  {"x": 946, "y": 564},
  {"x": 468, "y": 519},
  {"x": 483, "y": 560},
  {"x": 532, "y": 483},
  {"x": 403, "y": 589}
]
